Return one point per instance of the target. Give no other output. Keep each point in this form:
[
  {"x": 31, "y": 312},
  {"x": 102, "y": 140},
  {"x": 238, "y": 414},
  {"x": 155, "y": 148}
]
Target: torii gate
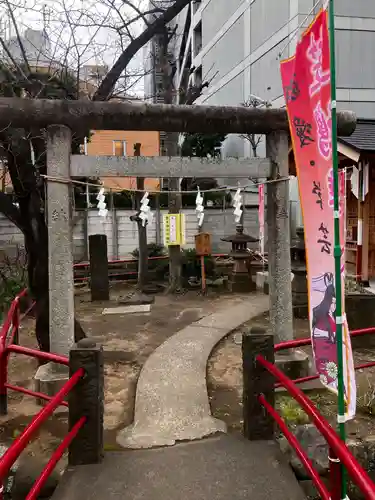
[{"x": 59, "y": 117}]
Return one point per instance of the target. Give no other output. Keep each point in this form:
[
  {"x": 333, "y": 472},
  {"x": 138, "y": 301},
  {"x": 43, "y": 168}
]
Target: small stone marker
[
  {"x": 142, "y": 308},
  {"x": 99, "y": 267},
  {"x": 237, "y": 339}
]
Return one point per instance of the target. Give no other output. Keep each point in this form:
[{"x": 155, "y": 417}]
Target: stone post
[
  {"x": 258, "y": 425},
  {"x": 99, "y": 279},
  {"x": 60, "y": 256},
  {"x": 87, "y": 400},
  {"x": 299, "y": 270},
  {"x": 279, "y": 265},
  {"x": 60, "y": 240}
]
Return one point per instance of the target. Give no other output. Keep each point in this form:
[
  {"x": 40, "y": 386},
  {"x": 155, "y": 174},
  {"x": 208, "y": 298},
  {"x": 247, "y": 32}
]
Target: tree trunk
[
  {"x": 142, "y": 230},
  {"x": 142, "y": 239},
  {"x": 31, "y": 219},
  {"x": 175, "y": 273},
  {"x": 37, "y": 251},
  {"x": 174, "y": 199},
  {"x": 106, "y": 87}
]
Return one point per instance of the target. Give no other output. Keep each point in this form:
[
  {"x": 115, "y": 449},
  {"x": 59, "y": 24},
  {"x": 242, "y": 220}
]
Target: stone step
[{"x": 219, "y": 468}]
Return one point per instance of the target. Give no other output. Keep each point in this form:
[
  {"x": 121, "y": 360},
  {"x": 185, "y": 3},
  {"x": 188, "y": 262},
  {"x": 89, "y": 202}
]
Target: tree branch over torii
[
  {"x": 74, "y": 36},
  {"x": 106, "y": 87}
]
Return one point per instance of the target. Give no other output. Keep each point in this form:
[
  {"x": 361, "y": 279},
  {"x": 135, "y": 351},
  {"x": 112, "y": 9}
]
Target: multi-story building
[
  {"x": 122, "y": 143},
  {"x": 237, "y": 46},
  {"x": 36, "y": 46},
  {"x": 238, "y": 43},
  {"x": 159, "y": 63}
]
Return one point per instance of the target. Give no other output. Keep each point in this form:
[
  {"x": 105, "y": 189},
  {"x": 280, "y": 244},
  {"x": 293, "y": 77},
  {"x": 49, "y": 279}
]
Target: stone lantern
[
  {"x": 299, "y": 270},
  {"x": 241, "y": 279}
]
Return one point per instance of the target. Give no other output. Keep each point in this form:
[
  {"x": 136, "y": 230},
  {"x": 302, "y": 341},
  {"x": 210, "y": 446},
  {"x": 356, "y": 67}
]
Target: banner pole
[{"x": 337, "y": 245}]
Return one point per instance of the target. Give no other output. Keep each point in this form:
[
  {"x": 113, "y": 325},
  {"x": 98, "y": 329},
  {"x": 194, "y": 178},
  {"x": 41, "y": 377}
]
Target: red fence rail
[
  {"x": 355, "y": 471},
  {"x": 339, "y": 453},
  {"x": 9, "y": 336},
  {"x": 134, "y": 260},
  {"x": 85, "y": 266},
  {"x": 292, "y": 344},
  {"x": 307, "y": 341}
]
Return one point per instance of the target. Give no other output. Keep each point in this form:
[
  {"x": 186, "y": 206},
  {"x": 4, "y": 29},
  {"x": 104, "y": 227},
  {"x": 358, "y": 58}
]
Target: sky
[{"x": 81, "y": 31}]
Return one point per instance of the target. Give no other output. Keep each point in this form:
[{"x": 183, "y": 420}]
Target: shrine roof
[{"x": 363, "y": 138}]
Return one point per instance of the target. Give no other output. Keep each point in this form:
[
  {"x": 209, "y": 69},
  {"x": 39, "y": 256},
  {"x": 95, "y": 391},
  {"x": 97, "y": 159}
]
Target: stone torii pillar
[
  {"x": 60, "y": 256},
  {"x": 279, "y": 261},
  {"x": 76, "y": 115}
]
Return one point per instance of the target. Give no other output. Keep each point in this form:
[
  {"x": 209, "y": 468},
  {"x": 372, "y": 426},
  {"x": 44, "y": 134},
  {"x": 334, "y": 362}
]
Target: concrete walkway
[
  {"x": 172, "y": 405},
  {"x": 171, "y": 399},
  {"x": 217, "y": 468}
]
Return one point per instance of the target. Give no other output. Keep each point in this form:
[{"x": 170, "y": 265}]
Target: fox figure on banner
[{"x": 306, "y": 82}]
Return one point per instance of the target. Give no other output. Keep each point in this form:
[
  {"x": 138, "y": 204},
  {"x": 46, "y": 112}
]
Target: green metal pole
[{"x": 337, "y": 246}]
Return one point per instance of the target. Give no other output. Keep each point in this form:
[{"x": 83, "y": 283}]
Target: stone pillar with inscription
[
  {"x": 295, "y": 362},
  {"x": 279, "y": 261},
  {"x": 51, "y": 376}
]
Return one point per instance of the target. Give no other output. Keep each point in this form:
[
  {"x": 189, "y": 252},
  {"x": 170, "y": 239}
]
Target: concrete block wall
[
  {"x": 9, "y": 233},
  {"x": 122, "y": 236}
]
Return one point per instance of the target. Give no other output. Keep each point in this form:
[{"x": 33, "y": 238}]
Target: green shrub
[
  {"x": 191, "y": 265},
  {"x": 153, "y": 250}
]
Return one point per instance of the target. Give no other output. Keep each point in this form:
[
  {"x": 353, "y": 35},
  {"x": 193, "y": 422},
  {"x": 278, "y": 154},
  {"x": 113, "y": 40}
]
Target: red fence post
[
  {"x": 334, "y": 475},
  {"x": 258, "y": 424},
  {"x": 16, "y": 322},
  {"x": 4, "y": 356}
]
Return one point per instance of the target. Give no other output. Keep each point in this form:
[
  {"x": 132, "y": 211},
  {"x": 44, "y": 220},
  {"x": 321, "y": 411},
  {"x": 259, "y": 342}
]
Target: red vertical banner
[{"x": 306, "y": 83}]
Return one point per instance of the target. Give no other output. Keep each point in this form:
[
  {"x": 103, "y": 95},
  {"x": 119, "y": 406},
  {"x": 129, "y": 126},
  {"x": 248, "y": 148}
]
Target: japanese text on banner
[{"x": 306, "y": 83}]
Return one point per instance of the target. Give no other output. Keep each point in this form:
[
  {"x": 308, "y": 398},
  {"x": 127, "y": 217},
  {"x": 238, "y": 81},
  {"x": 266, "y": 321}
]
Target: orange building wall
[{"x": 101, "y": 142}]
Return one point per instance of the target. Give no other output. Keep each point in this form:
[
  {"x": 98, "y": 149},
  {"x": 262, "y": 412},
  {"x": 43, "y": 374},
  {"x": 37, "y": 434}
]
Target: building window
[
  {"x": 197, "y": 38},
  {"x": 119, "y": 148},
  {"x": 196, "y": 5}
]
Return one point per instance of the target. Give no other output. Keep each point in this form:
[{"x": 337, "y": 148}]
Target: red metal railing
[
  {"x": 339, "y": 453},
  {"x": 130, "y": 260},
  {"x": 292, "y": 344},
  {"x": 9, "y": 333},
  {"x": 39, "y": 483},
  {"x": 302, "y": 455},
  {"x": 355, "y": 471}
]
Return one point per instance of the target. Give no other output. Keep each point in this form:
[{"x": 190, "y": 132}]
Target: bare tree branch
[
  {"x": 141, "y": 15},
  {"x": 17, "y": 67},
  {"x": 18, "y": 35},
  {"x": 106, "y": 87}
]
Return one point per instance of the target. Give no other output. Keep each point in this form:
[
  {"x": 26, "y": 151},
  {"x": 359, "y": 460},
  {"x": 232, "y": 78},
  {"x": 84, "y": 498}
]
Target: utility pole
[{"x": 174, "y": 199}]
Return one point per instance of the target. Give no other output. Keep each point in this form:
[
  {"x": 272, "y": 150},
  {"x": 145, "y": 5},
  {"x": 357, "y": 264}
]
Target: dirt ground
[
  {"x": 127, "y": 340},
  {"x": 224, "y": 375}
]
